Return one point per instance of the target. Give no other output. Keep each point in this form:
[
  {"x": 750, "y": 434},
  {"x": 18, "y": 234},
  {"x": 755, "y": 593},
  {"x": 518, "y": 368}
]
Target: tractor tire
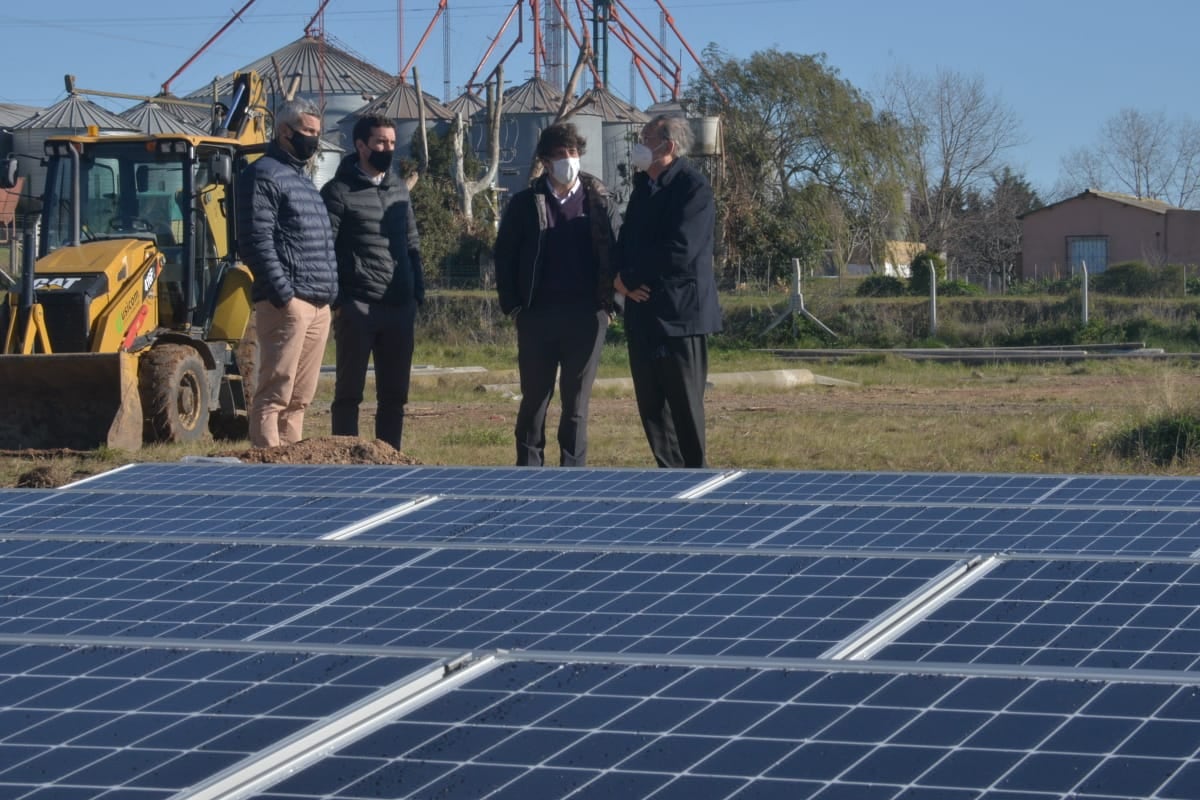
[{"x": 173, "y": 385}]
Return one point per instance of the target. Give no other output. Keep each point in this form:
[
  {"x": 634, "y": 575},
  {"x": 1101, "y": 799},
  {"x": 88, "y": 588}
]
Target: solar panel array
[{"x": 209, "y": 629}]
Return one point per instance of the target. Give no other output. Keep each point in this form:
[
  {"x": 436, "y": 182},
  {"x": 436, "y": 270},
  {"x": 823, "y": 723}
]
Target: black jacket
[
  {"x": 283, "y": 232},
  {"x": 375, "y": 237},
  {"x": 666, "y": 244},
  {"x": 518, "y": 251}
]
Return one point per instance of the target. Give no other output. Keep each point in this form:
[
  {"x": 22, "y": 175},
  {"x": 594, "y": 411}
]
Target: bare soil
[{"x": 325, "y": 450}]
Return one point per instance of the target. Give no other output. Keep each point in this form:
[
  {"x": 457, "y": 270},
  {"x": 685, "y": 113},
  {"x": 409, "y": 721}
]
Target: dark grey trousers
[
  {"x": 566, "y": 340},
  {"x": 669, "y": 380},
  {"x": 363, "y": 330}
]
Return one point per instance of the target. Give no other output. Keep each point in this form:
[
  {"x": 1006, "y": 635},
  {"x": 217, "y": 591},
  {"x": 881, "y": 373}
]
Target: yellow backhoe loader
[{"x": 126, "y": 326}]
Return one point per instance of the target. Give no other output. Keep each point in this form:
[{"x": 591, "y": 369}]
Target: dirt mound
[{"x": 325, "y": 450}]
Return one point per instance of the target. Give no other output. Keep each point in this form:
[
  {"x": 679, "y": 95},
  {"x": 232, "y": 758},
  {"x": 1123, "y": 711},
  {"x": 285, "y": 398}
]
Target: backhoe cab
[{"x": 128, "y": 325}]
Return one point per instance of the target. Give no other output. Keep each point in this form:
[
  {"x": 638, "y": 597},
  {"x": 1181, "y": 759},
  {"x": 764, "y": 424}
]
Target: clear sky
[{"x": 1064, "y": 66}]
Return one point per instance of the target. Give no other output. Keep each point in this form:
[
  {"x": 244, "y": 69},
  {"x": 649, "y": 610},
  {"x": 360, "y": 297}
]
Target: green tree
[
  {"x": 806, "y": 157},
  {"x": 988, "y": 238},
  {"x": 448, "y": 239}
]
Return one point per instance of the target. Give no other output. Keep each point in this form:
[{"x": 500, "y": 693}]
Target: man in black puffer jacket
[
  {"x": 379, "y": 279},
  {"x": 285, "y": 240}
]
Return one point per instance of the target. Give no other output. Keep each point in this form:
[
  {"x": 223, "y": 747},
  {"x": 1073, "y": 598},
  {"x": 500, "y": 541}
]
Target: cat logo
[
  {"x": 53, "y": 284},
  {"x": 148, "y": 278}
]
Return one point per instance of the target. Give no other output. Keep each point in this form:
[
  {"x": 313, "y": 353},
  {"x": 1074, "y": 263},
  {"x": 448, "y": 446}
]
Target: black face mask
[
  {"x": 381, "y": 160},
  {"x": 304, "y": 145}
]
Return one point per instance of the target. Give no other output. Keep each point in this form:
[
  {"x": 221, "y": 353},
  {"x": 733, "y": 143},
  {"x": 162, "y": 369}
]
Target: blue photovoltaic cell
[
  {"x": 14, "y": 499},
  {"x": 166, "y": 590},
  {"x": 181, "y": 513},
  {"x": 1129, "y": 490},
  {"x": 606, "y": 522},
  {"x": 887, "y": 487},
  {"x": 996, "y": 529},
  {"x": 400, "y": 481},
  {"x": 909, "y": 529},
  {"x": 1099, "y": 614},
  {"x": 112, "y": 722},
  {"x": 575, "y": 731},
  {"x": 643, "y": 603}
]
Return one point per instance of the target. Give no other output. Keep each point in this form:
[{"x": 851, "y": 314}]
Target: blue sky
[{"x": 1064, "y": 66}]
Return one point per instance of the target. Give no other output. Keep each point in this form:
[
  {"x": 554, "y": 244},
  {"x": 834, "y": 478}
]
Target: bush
[
  {"x": 1138, "y": 279},
  {"x": 881, "y": 286},
  {"x": 959, "y": 289},
  {"x": 1163, "y": 441},
  {"x": 919, "y": 282}
]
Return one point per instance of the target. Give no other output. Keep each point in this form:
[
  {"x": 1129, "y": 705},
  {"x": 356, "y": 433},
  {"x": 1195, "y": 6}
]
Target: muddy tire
[{"x": 173, "y": 385}]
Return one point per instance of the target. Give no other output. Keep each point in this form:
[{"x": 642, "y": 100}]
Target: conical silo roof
[
  {"x": 11, "y": 113},
  {"x": 670, "y": 108},
  {"x": 402, "y": 103},
  {"x": 322, "y": 67},
  {"x": 610, "y": 107},
  {"x": 190, "y": 113},
  {"x": 466, "y": 104},
  {"x": 534, "y": 96},
  {"x": 74, "y": 112},
  {"x": 149, "y": 117}
]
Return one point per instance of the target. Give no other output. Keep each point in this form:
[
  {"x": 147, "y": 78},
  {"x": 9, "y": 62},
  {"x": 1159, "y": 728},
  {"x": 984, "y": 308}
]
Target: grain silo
[
  {"x": 321, "y": 72},
  {"x": 400, "y": 105},
  {"x": 526, "y": 111},
  {"x": 73, "y": 115},
  {"x": 621, "y": 125},
  {"x": 150, "y": 117}
]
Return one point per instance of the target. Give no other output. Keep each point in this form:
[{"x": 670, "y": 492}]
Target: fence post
[
  {"x": 1083, "y": 272},
  {"x": 932, "y": 299}
]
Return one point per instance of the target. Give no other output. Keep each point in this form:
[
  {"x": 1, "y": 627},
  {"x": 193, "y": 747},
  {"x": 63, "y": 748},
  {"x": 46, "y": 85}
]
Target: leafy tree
[
  {"x": 1143, "y": 154},
  {"x": 918, "y": 281},
  {"x": 987, "y": 243},
  {"x": 446, "y": 235},
  {"x": 806, "y": 156}
]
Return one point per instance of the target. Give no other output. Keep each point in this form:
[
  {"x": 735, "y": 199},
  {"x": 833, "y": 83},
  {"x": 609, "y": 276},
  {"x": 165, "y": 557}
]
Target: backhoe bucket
[{"x": 79, "y": 401}]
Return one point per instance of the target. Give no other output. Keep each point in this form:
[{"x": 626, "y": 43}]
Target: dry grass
[{"x": 901, "y": 416}]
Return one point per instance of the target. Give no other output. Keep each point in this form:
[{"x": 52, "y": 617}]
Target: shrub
[
  {"x": 959, "y": 289},
  {"x": 1131, "y": 278},
  {"x": 1163, "y": 441},
  {"x": 919, "y": 282},
  {"x": 881, "y": 286}
]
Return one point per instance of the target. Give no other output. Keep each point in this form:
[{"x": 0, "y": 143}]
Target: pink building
[{"x": 1104, "y": 228}]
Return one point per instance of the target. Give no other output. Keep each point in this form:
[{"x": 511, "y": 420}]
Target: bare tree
[
  {"x": 1143, "y": 154},
  {"x": 467, "y": 189},
  {"x": 958, "y": 136}
]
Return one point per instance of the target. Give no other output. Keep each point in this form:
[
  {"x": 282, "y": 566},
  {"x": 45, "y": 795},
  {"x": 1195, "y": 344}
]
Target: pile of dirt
[{"x": 325, "y": 450}]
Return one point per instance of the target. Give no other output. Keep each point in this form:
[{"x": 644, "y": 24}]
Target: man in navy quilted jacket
[{"x": 284, "y": 237}]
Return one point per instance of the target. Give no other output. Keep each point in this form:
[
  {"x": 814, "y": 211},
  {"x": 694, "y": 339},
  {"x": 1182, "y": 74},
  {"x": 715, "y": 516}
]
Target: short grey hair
[
  {"x": 290, "y": 112},
  {"x": 676, "y": 129}
]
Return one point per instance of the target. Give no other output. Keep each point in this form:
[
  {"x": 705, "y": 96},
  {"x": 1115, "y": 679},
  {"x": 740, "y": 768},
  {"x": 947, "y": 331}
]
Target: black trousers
[
  {"x": 668, "y": 380},
  {"x": 564, "y": 340},
  {"x": 363, "y": 330}
]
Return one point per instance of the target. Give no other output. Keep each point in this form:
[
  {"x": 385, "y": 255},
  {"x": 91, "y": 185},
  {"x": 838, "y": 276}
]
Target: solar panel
[
  {"x": 162, "y": 589},
  {"x": 991, "y": 489},
  {"x": 181, "y": 513},
  {"x": 887, "y": 487},
  {"x": 1094, "y": 614},
  {"x": 531, "y": 729},
  {"x": 123, "y": 722},
  {"x": 501, "y": 632},
  {"x": 600, "y": 522},
  {"x": 346, "y": 480}
]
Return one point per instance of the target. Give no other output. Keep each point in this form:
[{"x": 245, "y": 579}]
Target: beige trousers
[{"x": 291, "y": 345}]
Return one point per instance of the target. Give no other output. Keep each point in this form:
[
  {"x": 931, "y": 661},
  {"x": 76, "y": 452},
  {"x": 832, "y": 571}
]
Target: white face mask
[
  {"x": 565, "y": 170},
  {"x": 642, "y": 157}
]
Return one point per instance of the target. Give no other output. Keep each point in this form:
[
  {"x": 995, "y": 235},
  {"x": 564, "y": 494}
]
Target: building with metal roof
[
  {"x": 320, "y": 71},
  {"x": 401, "y": 105},
  {"x": 150, "y": 117}
]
